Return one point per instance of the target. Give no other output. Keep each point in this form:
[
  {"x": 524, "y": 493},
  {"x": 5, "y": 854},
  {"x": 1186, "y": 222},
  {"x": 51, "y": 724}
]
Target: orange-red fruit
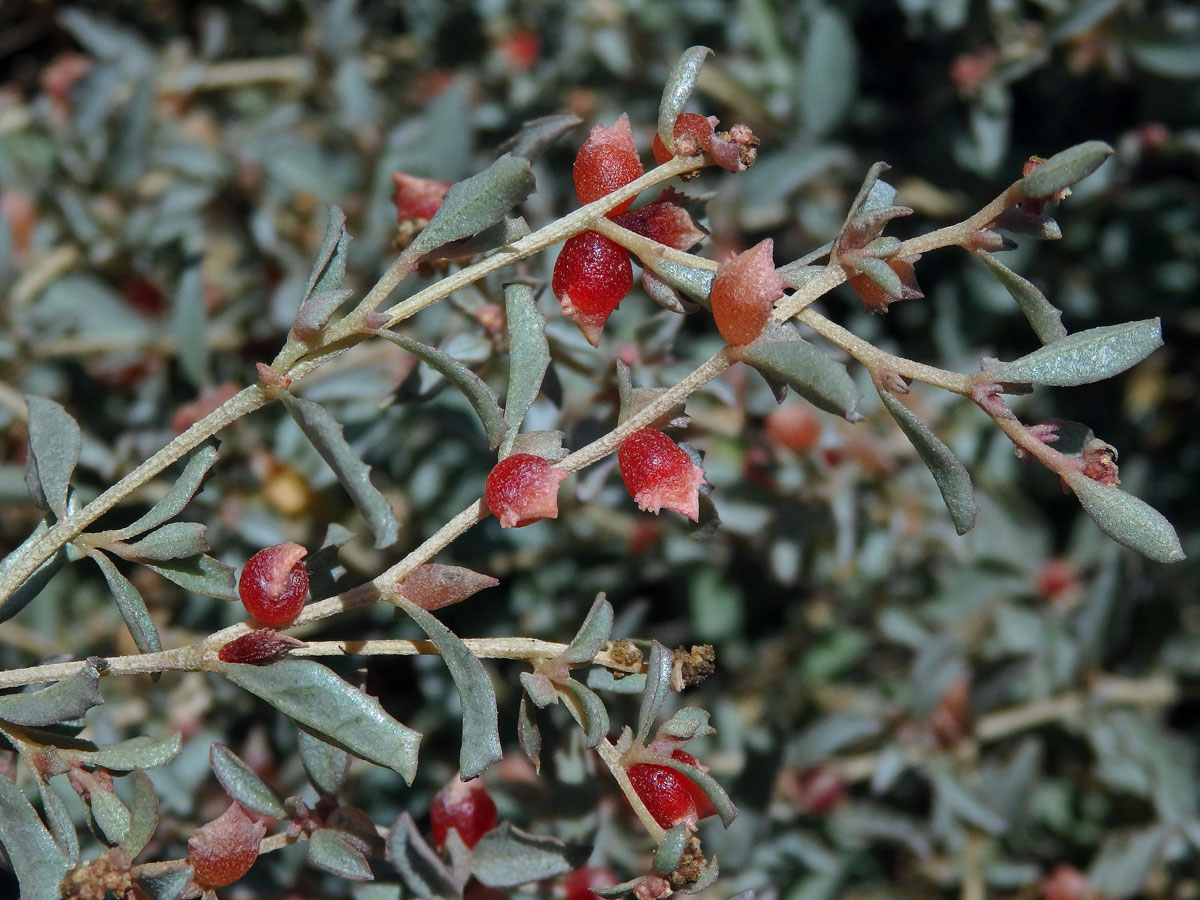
[
  {"x": 464, "y": 806},
  {"x": 692, "y": 133},
  {"x": 223, "y": 851},
  {"x": 607, "y": 160},
  {"x": 793, "y": 426},
  {"x": 670, "y": 796},
  {"x": 523, "y": 488},
  {"x": 875, "y": 298},
  {"x": 744, "y": 291},
  {"x": 658, "y": 473},
  {"x": 591, "y": 276},
  {"x": 274, "y": 583},
  {"x": 664, "y": 220},
  {"x": 417, "y": 198},
  {"x": 581, "y": 882},
  {"x": 1066, "y": 883}
]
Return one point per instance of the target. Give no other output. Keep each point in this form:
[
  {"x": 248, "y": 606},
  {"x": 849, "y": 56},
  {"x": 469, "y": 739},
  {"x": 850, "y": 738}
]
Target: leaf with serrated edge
[
  {"x": 481, "y": 397},
  {"x": 529, "y": 735},
  {"x": 325, "y": 434},
  {"x": 481, "y": 730},
  {"x": 35, "y": 859},
  {"x": 1126, "y": 519},
  {"x": 325, "y": 764},
  {"x": 472, "y": 205},
  {"x": 658, "y": 688},
  {"x": 54, "y": 445},
  {"x": 136, "y": 753},
  {"x": 595, "y": 716},
  {"x": 179, "y": 495},
  {"x": 951, "y": 475},
  {"x": 715, "y": 793},
  {"x": 423, "y": 873},
  {"x": 1065, "y": 169},
  {"x": 528, "y": 353},
  {"x": 201, "y": 575},
  {"x": 780, "y": 353},
  {"x": 175, "y": 540},
  {"x": 680, "y": 83},
  {"x": 132, "y": 606},
  {"x": 670, "y": 849},
  {"x": 506, "y": 857},
  {"x": 329, "y": 851},
  {"x": 1043, "y": 317},
  {"x": 60, "y": 702},
  {"x": 593, "y": 634},
  {"x": 322, "y": 702},
  {"x": 243, "y": 784},
  {"x": 1083, "y": 357},
  {"x": 143, "y": 815}
]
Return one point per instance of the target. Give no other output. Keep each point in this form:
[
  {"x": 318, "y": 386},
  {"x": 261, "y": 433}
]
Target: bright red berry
[
  {"x": 581, "y": 883},
  {"x": 670, "y": 796},
  {"x": 692, "y": 133},
  {"x": 743, "y": 293},
  {"x": 658, "y": 473},
  {"x": 591, "y": 276},
  {"x": 274, "y": 583},
  {"x": 607, "y": 160},
  {"x": 523, "y": 488},
  {"x": 417, "y": 198},
  {"x": 664, "y": 220},
  {"x": 464, "y": 806},
  {"x": 223, "y": 851}
]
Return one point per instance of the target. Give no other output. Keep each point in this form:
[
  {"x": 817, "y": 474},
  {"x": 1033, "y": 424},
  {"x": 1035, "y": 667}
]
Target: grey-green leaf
[
  {"x": 175, "y": 540},
  {"x": 110, "y": 816},
  {"x": 951, "y": 475},
  {"x": 423, "y": 873},
  {"x": 35, "y": 859},
  {"x": 180, "y": 493},
  {"x": 1045, "y": 319},
  {"x": 680, "y": 83},
  {"x": 143, "y": 815},
  {"x": 593, "y": 634},
  {"x": 132, "y": 606},
  {"x": 693, "y": 282},
  {"x": 325, "y": 434},
  {"x": 481, "y": 730},
  {"x": 315, "y": 312},
  {"x": 1084, "y": 356},
  {"x": 54, "y": 445},
  {"x": 595, "y": 716},
  {"x": 670, "y": 849},
  {"x": 529, "y": 735},
  {"x": 528, "y": 353},
  {"x": 715, "y": 793},
  {"x": 136, "y": 753},
  {"x": 58, "y": 817},
  {"x": 329, "y": 268},
  {"x": 883, "y": 275},
  {"x": 1065, "y": 169},
  {"x": 658, "y": 688},
  {"x": 33, "y": 585},
  {"x": 506, "y": 857},
  {"x": 201, "y": 575},
  {"x": 60, "y": 702},
  {"x": 475, "y": 203},
  {"x": 1126, "y": 519},
  {"x": 536, "y": 135},
  {"x": 688, "y": 723},
  {"x": 481, "y": 397},
  {"x": 328, "y": 850},
  {"x": 323, "y": 703},
  {"x": 243, "y": 784},
  {"x": 189, "y": 324},
  {"x": 828, "y": 72},
  {"x": 166, "y": 884},
  {"x": 326, "y": 764},
  {"x": 780, "y": 353}
]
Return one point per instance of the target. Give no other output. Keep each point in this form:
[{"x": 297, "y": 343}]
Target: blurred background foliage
[{"x": 900, "y": 712}]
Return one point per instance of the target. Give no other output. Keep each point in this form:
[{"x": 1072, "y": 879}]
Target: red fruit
[
  {"x": 591, "y": 276},
  {"x": 464, "y": 806},
  {"x": 658, "y": 473},
  {"x": 670, "y": 796},
  {"x": 607, "y": 160},
  {"x": 581, "y": 882},
  {"x": 743, "y": 293},
  {"x": 274, "y": 583},
  {"x": 417, "y": 198},
  {"x": 1058, "y": 579},
  {"x": 523, "y": 488},
  {"x": 794, "y": 426},
  {"x": 259, "y": 647},
  {"x": 1066, "y": 883},
  {"x": 223, "y": 851},
  {"x": 875, "y": 298},
  {"x": 664, "y": 220},
  {"x": 692, "y": 133}
]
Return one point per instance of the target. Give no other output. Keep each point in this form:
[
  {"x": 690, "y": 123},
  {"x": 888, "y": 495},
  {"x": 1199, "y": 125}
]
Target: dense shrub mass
[{"x": 890, "y": 683}]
